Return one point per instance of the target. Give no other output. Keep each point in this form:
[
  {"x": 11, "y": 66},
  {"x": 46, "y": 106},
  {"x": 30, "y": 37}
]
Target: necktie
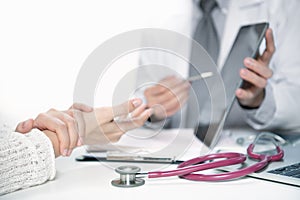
[{"x": 206, "y": 35}]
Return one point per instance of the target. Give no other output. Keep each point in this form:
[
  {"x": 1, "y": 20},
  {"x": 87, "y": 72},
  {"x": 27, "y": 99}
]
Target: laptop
[{"x": 286, "y": 171}]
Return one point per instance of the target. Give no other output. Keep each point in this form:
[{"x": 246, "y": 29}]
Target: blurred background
[{"x": 43, "y": 45}]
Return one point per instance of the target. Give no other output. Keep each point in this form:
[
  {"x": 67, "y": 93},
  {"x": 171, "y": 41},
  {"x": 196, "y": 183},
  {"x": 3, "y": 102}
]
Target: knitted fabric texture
[{"x": 25, "y": 159}]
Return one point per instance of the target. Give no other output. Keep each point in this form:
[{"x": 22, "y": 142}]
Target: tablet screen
[{"x": 246, "y": 44}]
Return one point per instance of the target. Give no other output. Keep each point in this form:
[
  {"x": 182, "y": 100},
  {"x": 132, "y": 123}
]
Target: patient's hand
[
  {"x": 81, "y": 124},
  {"x": 64, "y": 125}
]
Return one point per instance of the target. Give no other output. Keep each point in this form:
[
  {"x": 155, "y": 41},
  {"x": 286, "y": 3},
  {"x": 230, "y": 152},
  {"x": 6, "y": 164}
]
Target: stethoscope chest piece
[{"x": 128, "y": 177}]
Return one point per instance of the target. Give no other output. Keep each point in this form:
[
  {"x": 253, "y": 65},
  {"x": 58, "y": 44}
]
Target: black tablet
[{"x": 246, "y": 44}]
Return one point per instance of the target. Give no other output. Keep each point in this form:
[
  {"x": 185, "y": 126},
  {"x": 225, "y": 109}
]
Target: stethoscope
[{"x": 130, "y": 176}]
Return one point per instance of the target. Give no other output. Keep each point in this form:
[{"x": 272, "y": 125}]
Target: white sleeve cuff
[
  {"x": 25, "y": 160},
  {"x": 260, "y": 118},
  {"x": 45, "y": 151}
]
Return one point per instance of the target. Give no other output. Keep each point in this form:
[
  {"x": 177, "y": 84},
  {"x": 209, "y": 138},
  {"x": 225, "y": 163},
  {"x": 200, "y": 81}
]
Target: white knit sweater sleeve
[{"x": 25, "y": 159}]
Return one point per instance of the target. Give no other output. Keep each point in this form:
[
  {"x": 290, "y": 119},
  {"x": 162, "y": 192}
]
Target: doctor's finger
[
  {"x": 128, "y": 124},
  {"x": 155, "y": 90},
  {"x": 176, "y": 84},
  {"x": 136, "y": 122},
  {"x": 176, "y": 94},
  {"x": 175, "y": 104},
  {"x": 182, "y": 88},
  {"x": 171, "y": 82},
  {"x": 158, "y": 88},
  {"x": 107, "y": 114},
  {"x": 126, "y": 107},
  {"x": 170, "y": 95},
  {"x": 164, "y": 85},
  {"x": 244, "y": 95},
  {"x": 253, "y": 78},
  {"x": 270, "y": 47},
  {"x": 138, "y": 111},
  {"x": 258, "y": 68}
]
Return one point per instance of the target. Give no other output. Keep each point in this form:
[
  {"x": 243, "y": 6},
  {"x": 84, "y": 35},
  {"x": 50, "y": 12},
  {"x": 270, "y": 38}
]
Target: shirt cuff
[{"x": 261, "y": 117}]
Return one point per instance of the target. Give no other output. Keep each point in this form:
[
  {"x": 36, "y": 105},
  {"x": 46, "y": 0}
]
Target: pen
[
  {"x": 201, "y": 76},
  {"x": 162, "y": 160}
]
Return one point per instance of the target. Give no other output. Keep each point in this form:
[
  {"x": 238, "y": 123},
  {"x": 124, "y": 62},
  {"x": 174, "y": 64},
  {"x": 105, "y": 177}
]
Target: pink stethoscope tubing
[{"x": 186, "y": 169}]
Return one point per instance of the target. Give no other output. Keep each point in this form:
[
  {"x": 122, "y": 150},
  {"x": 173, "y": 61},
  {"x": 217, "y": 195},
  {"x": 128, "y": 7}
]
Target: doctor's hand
[
  {"x": 256, "y": 75},
  {"x": 107, "y": 124},
  {"x": 167, "y": 97}
]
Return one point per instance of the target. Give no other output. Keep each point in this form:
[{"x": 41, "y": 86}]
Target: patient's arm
[{"x": 107, "y": 124}]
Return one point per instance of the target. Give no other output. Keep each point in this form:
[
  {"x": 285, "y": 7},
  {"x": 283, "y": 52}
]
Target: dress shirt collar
[{"x": 222, "y": 5}]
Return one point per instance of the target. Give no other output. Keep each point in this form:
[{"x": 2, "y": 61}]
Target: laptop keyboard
[{"x": 290, "y": 170}]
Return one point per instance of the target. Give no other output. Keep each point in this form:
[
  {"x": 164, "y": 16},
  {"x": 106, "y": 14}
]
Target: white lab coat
[{"x": 281, "y": 108}]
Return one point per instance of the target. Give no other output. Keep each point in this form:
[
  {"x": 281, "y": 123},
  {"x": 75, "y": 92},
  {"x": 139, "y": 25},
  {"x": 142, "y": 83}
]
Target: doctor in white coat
[{"x": 274, "y": 98}]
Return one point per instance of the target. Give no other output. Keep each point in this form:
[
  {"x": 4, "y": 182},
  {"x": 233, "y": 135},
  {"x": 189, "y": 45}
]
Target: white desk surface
[{"x": 92, "y": 180}]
